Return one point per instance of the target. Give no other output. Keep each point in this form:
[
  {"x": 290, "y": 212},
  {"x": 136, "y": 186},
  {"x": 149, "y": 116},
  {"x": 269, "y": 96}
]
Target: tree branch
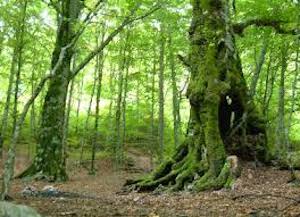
[
  {"x": 127, "y": 21},
  {"x": 239, "y": 28},
  {"x": 184, "y": 60}
]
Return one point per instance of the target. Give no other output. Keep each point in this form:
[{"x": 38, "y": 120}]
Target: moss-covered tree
[
  {"x": 49, "y": 160},
  {"x": 220, "y": 107}
]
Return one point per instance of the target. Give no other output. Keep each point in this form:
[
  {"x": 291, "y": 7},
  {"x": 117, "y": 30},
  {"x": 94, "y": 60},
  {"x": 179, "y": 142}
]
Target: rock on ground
[{"x": 13, "y": 210}]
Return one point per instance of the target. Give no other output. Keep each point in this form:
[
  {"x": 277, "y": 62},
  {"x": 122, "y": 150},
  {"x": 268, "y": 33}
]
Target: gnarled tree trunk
[{"x": 220, "y": 107}]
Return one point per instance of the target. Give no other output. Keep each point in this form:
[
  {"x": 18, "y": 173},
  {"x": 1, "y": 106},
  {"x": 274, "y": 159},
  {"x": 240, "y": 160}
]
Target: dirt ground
[{"x": 262, "y": 191}]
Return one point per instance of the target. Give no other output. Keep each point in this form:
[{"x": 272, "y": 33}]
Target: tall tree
[
  {"x": 217, "y": 88},
  {"x": 118, "y": 149},
  {"x": 15, "y": 71},
  {"x": 161, "y": 125},
  {"x": 49, "y": 158},
  {"x": 281, "y": 129},
  {"x": 175, "y": 93},
  {"x": 99, "y": 70},
  {"x": 48, "y": 162}
]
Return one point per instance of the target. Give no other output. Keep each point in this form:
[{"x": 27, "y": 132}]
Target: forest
[{"x": 167, "y": 108}]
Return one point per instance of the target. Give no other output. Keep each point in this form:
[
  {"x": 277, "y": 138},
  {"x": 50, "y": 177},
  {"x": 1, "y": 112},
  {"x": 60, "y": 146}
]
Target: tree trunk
[
  {"x": 33, "y": 111},
  {"x": 294, "y": 93},
  {"x": 258, "y": 67},
  {"x": 161, "y": 122},
  {"x": 281, "y": 137},
  {"x": 67, "y": 117},
  {"x": 152, "y": 115},
  {"x": 109, "y": 136},
  {"x": 15, "y": 70},
  {"x": 48, "y": 162},
  {"x": 88, "y": 115},
  {"x": 176, "y": 99},
  {"x": 4, "y": 120},
  {"x": 128, "y": 61},
  {"x": 217, "y": 89},
  {"x": 118, "y": 149},
  {"x": 79, "y": 103},
  {"x": 99, "y": 70},
  {"x": 268, "y": 85},
  {"x": 10, "y": 162}
]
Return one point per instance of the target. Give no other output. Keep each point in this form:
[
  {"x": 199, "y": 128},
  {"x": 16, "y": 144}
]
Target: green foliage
[{"x": 141, "y": 130}]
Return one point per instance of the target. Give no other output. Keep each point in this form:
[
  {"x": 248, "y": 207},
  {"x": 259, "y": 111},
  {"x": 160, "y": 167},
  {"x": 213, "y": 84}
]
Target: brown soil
[{"x": 262, "y": 191}]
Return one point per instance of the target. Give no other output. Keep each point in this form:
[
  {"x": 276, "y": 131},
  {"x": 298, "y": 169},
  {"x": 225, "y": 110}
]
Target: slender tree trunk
[
  {"x": 32, "y": 116},
  {"x": 267, "y": 84},
  {"x": 88, "y": 115},
  {"x": 119, "y": 140},
  {"x": 125, "y": 97},
  {"x": 270, "y": 92},
  {"x": 294, "y": 85},
  {"x": 109, "y": 137},
  {"x": 4, "y": 121},
  {"x": 15, "y": 71},
  {"x": 281, "y": 130},
  {"x": 99, "y": 69},
  {"x": 10, "y": 162},
  {"x": 258, "y": 68},
  {"x": 79, "y": 103},
  {"x": 176, "y": 99},
  {"x": 67, "y": 118},
  {"x": 161, "y": 124},
  {"x": 138, "y": 94},
  {"x": 153, "y": 134},
  {"x": 32, "y": 111}
]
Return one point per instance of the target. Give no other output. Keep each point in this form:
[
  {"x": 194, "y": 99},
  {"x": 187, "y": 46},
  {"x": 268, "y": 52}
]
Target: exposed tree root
[
  {"x": 187, "y": 169},
  {"x": 209, "y": 181},
  {"x": 35, "y": 173}
]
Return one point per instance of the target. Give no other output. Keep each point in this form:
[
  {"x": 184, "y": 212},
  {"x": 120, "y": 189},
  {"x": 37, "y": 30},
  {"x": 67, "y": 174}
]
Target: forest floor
[{"x": 262, "y": 191}]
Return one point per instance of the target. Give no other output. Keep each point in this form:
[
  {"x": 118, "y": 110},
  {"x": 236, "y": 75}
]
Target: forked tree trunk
[{"x": 217, "y": 92}]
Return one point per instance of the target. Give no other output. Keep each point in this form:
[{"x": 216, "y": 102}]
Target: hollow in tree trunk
[{"x": 220, "y": 102}]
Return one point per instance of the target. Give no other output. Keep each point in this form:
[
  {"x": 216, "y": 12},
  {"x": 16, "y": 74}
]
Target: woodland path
[{"x": 259, "y": 192}]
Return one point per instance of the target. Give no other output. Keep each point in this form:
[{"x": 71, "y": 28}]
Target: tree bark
[
  {"x": 118, "y": 149},
  {"x": 281, "y": 136},
  {"x": 109, "y": 136},
  {"x": 88, "y": 115},
  {"x": 217, "y": 88},
  {"x": 161, "y": 102},
  {"x": 153, "y": 134},
  {"x": 79, "y": 103},
  {"x": 48, "y": 162},
  {"x": 124, "y": 102},
  {"x": 175, "y": 92},
  {"x": 258, "y": 67},
  {"x": 15, "y": 71},
  {"x": 10, "y": 162},
  {"x": 99, "y": 70}
]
